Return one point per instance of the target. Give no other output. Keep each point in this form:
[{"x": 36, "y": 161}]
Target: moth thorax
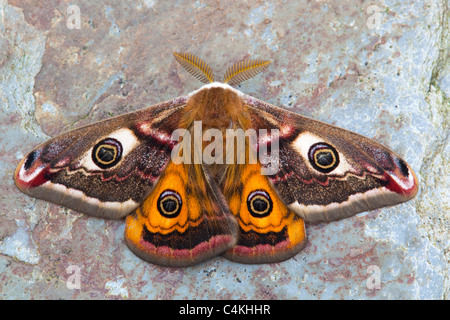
[{"x": 216, "y": 107}]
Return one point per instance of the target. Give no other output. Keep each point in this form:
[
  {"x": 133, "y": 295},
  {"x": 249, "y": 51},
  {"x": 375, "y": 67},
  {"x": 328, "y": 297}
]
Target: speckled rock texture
[{"x": 379, "y": 68}]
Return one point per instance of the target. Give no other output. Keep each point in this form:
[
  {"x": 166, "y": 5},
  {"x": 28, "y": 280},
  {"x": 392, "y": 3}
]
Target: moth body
[
  {"x": 187, "y": 201},
  {"x": 216, "y": 105}
]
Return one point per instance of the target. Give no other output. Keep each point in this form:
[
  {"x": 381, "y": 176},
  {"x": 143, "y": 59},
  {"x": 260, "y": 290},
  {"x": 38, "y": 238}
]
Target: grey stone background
[{"x": 379, "y": 68}]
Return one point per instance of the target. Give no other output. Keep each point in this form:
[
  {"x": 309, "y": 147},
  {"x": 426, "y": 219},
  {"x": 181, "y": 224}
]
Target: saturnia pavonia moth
[{"x": 179, "y": 213}]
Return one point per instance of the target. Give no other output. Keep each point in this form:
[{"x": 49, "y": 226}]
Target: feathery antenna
[
  {"x": 195, "y": 66},
  {"x": 244, "y": 70},
  {"x": 234, "y": 75}
]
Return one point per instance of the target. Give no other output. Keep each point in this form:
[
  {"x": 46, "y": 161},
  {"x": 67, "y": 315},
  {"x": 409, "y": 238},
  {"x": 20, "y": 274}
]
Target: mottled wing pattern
[
  {"x": 105, "y": 169},
  {"x": 327, "y": 173}
]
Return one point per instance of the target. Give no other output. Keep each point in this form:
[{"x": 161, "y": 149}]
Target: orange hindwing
[
  {"x": 181, "y": 223},
  {"x": 268, "y": 230}
]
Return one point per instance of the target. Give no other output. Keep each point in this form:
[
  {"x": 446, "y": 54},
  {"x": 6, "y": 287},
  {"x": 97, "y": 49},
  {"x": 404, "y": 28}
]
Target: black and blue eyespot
[
  {"x": 107, "y": 153},
  {"x": 259, "y": 204},
  {"x": 323, "y": 157},
  {"x": 169, "y": 204}
]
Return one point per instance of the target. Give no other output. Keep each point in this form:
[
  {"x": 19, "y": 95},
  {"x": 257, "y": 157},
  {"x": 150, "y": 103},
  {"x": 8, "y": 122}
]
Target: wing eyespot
[
  {"x": 259, "y": 204},
  {"x": 107, "y": 153},
  {"x": 169, "y": 204},
  {"x": 323, "y": 157}
]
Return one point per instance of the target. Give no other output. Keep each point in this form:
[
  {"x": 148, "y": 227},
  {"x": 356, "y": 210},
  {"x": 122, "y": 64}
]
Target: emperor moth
[{"x": 182, "y": 213}]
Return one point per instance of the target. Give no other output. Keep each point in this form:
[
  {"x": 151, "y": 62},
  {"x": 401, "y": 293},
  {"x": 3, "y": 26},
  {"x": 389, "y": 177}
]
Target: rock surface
[{"x": 378, "y": 68}]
